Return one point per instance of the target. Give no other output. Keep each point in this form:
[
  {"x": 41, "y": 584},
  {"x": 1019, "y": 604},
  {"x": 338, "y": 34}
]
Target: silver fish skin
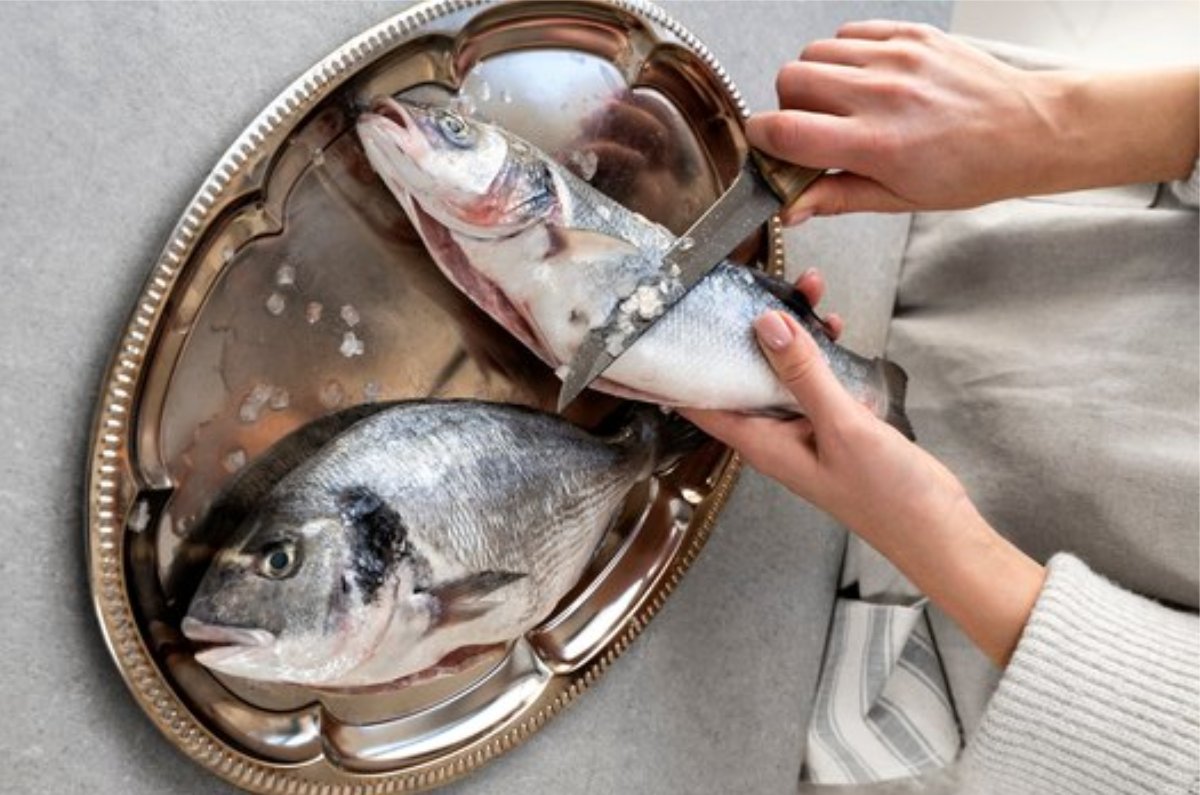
[
  {"x": 419, "y": 531},
  {"x": 549, "y": 257}
]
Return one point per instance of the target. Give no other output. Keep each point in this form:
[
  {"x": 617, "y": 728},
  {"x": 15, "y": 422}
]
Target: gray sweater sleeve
[
  {"x": 1102, "y": 696},
  {"x": 1188, "y": 190}
]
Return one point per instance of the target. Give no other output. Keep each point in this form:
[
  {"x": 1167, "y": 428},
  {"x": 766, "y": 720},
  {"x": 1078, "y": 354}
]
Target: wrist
[
  {"x": 1102, "y": 129},
  {"x": 934, "y": 505},
  {"x": 977, "y": 577},
  {"x": 1056, "y": 133},
  {"x": 989, "y": 589}
]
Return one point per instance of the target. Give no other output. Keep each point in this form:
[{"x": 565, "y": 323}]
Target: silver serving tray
[{"x": 294, "y": 296}]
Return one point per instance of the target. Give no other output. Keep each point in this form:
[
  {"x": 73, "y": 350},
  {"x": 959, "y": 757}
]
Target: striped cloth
[{"x": 882, "y": 709}]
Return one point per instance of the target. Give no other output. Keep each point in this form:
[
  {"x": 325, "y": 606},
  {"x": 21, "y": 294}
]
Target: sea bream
[
  {"x": 549, "y": 257},
  {"x": 422, "y": 531}
]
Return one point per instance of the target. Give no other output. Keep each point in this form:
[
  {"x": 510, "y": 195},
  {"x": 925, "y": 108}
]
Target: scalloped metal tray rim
[{"x": 110, "y": 486}]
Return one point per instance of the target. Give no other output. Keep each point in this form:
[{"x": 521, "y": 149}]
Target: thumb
[
  {"x": 835, "y": 194},
  {"x": 801, "y": 367}
]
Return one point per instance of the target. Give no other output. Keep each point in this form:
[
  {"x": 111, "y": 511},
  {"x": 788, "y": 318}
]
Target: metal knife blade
[{"x": 760, "y": 189}]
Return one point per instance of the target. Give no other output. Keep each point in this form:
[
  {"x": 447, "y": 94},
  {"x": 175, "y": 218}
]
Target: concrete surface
[{"x": 113, "y": 115}]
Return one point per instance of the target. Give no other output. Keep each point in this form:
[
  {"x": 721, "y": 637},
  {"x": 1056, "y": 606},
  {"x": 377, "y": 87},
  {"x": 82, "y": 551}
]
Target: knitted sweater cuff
[{"x": 1101, "y": 696}]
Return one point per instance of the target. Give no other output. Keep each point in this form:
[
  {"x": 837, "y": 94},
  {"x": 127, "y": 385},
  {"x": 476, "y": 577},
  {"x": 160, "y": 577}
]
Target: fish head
[
  {"x": 472, "y": 177},
  {"x": 281, "y": 603},
  {"x": 324, "y": 587}
]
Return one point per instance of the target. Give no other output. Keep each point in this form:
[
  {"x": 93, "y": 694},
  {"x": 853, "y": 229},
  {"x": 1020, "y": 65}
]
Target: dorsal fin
[{"x": 792, "y": 298}]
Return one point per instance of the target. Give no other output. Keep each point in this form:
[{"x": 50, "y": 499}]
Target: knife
[{"x": 762, "y": 187}]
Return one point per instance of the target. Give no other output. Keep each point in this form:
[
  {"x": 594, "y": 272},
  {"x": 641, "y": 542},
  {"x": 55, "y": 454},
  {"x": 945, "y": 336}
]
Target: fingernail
[
  {"x": 808, "y": 274},
  {"x": 773, "y": 331}
]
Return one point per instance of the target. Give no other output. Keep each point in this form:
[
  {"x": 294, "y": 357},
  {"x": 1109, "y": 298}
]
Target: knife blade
[{"x": 761, "y": 188}]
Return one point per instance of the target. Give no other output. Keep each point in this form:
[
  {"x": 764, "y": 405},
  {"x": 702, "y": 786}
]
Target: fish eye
[
  {"x": 455, "y": 129},
  {"x": 278, "y": 560}
]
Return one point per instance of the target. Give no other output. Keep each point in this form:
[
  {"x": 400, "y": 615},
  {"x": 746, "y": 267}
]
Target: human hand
[
  {"x": 917, "y": 120},
  {"x": 898, "y": 498},
  {"x": 839, "y": 456}
]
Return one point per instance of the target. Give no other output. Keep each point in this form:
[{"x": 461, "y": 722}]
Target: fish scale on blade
[
  {"x": 419, "y": 531},
  {"x": 549, "y": 257}
]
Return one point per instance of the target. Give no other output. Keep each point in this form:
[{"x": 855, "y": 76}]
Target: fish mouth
[
  {"x": 394, "y": 144},
  {"x": 215, "y": 643},
  {"x": 393, "y": 111}
]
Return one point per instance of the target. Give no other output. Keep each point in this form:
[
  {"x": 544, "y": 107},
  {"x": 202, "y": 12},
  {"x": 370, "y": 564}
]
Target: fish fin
[
  {"x": 465, "y": 598},
  {"x": 895, "y": 389},
  {"x": 658, "y": 432},
  {"x": 673, "y": 437},
  {"x": 792, "y": 298},
  {"x": 585, "y": 245},
  {"x": 455, "y": 662}
]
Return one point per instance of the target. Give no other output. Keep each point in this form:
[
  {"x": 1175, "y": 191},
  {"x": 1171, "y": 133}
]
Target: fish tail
[
  {"x": 657, "y": 438},
  {"x": 677, "y": 437},
  {"x": 895, "y": 389}
]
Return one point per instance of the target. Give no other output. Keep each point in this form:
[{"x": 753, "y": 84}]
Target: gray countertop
[{"x": 113, "y": 115}]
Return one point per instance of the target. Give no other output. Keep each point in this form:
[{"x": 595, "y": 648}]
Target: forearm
[
  {"x": 975, "y": 575},
  {"x": 1114, "y": 128}
]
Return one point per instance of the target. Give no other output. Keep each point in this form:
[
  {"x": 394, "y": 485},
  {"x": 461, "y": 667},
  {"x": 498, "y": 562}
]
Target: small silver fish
[
  {"x": 548, "y": 257},
  {"x": 422, "y": 530}
]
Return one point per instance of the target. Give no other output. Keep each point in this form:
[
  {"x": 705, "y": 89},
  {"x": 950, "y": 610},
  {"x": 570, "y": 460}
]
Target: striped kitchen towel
[{"x": 882, "y": 709}]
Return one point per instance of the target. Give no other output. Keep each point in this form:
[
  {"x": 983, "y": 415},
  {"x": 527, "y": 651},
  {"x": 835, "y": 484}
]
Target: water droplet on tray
[
  {"x": 253, "y": 403},
  {"x": 276, "y": 303},
  {"x": 280, "y": 399},
  {"x": 234, "y": 460},
  {"x": 139, "y": 519},
  {"x": 332, "y": 394},
  {"x": 286, "y": 275},
  {"x": 585, "y": 163},
  {"x": 350, "y": 315},
  {"x": 351, "y": 345},
  {"x": 312, "y": 312}
]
